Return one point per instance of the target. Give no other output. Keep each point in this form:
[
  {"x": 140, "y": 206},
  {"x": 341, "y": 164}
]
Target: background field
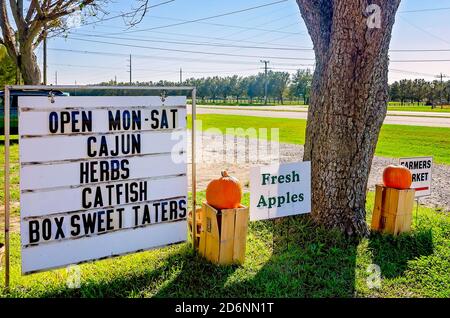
[{"x": 395, "y": 140}]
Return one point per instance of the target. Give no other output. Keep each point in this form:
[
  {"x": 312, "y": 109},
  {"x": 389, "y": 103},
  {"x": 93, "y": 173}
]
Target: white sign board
[
  {"x": 421, "y": 168},
  {"x": 100, "y": 177},
  {"x": 280, "y": 190}
]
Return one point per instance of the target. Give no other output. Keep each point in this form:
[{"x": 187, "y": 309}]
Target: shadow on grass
[
  {"x": 182, "y": 274},
  {"x": 393, "y": 253},
  {"x": 307, "y": 261}
]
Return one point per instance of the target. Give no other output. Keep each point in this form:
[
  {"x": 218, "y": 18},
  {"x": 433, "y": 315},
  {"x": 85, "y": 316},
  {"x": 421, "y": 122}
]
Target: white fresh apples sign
[
  {"x": 100, "y": 177},
  {"x": 280, "y": 190}
]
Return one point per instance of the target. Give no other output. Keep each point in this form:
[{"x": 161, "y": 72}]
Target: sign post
[
  {"x": 100, "y": 176},
  {"x": 7, "y": 195}
]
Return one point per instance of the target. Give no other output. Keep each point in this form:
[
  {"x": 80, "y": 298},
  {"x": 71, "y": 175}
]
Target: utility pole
[
  {"x": 56, "y": 77},
  {"x": 181, "y": 76},
  {"x": 115, "y": 79},
  {"x": 130, "y": 71},
  {"x": 265, "y": 79},
  {"x": 441, "y": 89},
  {"x": 44, "y": 68}
]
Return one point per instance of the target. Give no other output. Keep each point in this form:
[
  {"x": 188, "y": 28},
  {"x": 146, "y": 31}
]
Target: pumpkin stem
[{"x": 224, "y": 174}]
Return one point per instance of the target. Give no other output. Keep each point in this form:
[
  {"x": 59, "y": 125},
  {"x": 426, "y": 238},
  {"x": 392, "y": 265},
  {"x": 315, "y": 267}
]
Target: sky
[{"x": 230, "y": 44}]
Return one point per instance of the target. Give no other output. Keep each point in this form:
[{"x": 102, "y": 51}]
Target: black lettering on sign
[
  {"x": 33, "y": 231},
  {"x": 415, "y": 165},
  {"x": 76, "y": 229},
  {"x": 419, "y": 177},
  {"x": 120, "y": 211},
  {"x": 101, "y": 220},
  {"x": 125, "y": 144},
  {"x": 174, "y": 117},
  {"x": 89, "y": 220},
  {"x": 72, "y": 122},
  {"x": 110, "y": 219},
  {"x": 104, "y": 170},
  {"x": 169, "y": 210},
  {"x": 182, "y": 207},
  {"x": 164, "y": 118},
  {"x": 59, "y": 228},
  {"x": 146, "y": 217},
  {"x": 96, "y": 222},
  {"x": 136, "y": 214},
  {"x": 124, "y": 120},
  {"x": 113, "y": 194}
]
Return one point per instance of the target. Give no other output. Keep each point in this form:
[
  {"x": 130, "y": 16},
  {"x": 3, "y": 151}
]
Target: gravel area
[{"x": 212, "y": 159}]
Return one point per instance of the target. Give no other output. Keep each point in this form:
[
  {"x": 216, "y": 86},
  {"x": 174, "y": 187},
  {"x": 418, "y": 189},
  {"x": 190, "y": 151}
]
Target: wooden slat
[
  {"x": 376, "y": 214},
  {"x": 211, "y": 235},
  {"x": 240, "y": 235},
  {"x": 227, "y": 236},
  {"x": 202, "y": 243},
  {"x": 392, "y": 210}
]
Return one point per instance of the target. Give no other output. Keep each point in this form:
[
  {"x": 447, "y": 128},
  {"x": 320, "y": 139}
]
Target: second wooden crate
[
  {"x": 223, "y": 234},
  {"x": 392, "y": 211}
]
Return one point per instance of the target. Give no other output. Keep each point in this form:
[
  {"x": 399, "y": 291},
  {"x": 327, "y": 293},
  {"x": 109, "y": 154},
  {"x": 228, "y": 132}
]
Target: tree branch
[
  {"x": 9, "y": 40},
  {"x": 318, "y": 17},
  {"x": 18, "y": 15},
  {"x": 70, "y": 8}
]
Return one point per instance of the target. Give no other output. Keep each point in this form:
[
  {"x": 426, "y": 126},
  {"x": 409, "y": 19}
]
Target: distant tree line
[
  {"x": 282, "y": 86},
  {"x": 420, "y": 91},
  {"x": 215, "y": 89}
]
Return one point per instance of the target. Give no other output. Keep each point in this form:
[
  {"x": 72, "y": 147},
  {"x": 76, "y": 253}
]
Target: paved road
[{"x": 393, "y": 117}]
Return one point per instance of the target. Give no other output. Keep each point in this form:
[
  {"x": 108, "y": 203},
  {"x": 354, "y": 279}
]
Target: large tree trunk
[
  {"x": 29, "y": 67},
  {"x": 347, "y": 106}
]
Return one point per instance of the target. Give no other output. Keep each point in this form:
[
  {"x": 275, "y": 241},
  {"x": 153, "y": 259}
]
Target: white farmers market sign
[
  {"x": 421, "y": 168},
  {"x": 100, "y": 177},
  {"x": 280, "y": 190}
]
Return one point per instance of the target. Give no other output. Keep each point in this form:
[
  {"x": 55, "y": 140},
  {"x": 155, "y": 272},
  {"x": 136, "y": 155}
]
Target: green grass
[
  {"x": 247, "y": 103},
  {"x": 427, "y": 109},
  {"x": 395, "y": 140},
  {"x": 394, "y": 106},
  {"x": 312, "y": 262}
]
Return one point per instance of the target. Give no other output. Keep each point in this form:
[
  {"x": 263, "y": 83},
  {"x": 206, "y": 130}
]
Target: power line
[
  {"x": 424, "y": 10},
  {"x": 103, "y": 53},
  {"x": 419, "y": 61},
  {"x": 425, "y": 31},
  {"x": 231, "y": 25},
  {"x": 122, "y": 15},
  {"x": 196, "y": 43},
  {"x": 194, "y": 52},
  {"x": 411, "y": 72},
  {"x": 153, "y": 57},
  {"x": 205, "y": 18}
]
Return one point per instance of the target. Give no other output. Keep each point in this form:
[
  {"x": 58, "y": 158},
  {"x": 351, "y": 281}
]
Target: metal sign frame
[{"x": 7, "y": 107}]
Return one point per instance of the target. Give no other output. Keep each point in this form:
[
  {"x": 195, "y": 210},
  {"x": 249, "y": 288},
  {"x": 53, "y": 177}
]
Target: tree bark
[
  {"x": 29, "y": 67},
  {"x": 348, "y": 104}
]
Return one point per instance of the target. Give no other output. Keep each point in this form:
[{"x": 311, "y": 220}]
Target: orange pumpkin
[
  {"x": 398, "y": 177},
  {"x": 224, "y": 193}
]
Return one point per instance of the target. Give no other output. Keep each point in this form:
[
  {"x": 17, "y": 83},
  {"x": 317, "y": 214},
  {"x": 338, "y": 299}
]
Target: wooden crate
[
  {"x": 198, "y": 219},
  {"x": 223, "y": 234},
  {"x": 392, "y": 212}
]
